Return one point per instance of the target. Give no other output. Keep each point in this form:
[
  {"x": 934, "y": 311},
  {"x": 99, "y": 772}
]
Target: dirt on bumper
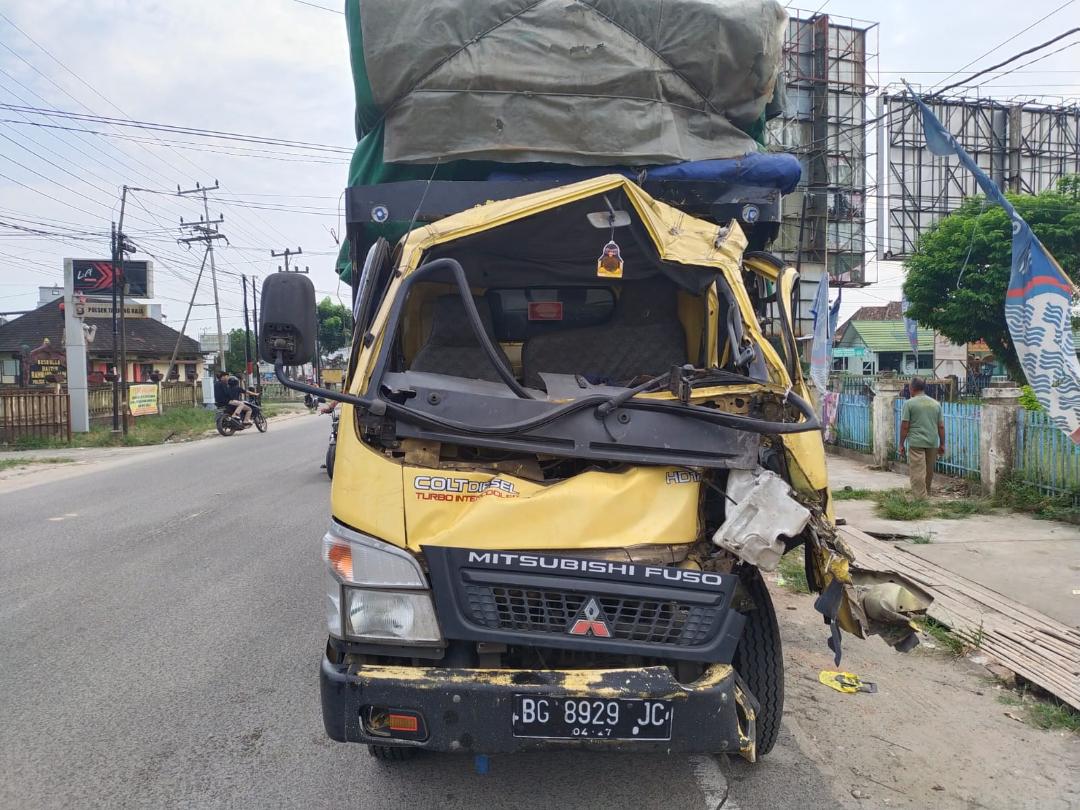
[{"x": 470, "y": 710}]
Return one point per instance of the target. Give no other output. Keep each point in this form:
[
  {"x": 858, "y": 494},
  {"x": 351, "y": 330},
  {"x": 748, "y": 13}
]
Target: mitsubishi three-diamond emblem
[{"x": 590, "y": 622}]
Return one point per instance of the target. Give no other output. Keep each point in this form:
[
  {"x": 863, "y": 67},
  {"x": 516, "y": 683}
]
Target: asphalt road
[{"x": 160, "y": 631}]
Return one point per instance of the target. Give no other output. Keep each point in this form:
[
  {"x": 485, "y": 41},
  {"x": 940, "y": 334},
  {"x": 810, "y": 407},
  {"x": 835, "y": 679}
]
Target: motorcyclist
[
  {"x": 236, "y": 394},
  {"x": 221, "y": 389}
]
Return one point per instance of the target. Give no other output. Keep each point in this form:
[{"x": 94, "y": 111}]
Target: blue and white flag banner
[
  {"x": 1038, "y": 301},
  {"x": 911, "y": 328},
  {"x": 834, "y": 312},
  {"x": 821, "y": 348}
]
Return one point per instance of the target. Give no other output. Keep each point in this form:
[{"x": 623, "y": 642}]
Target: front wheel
[
  {"x": 260, "y": 422},
  {"x": 759, "y": 660},
  {"x": 224, "y": 425},
  {"x": 331, "y": 451}
]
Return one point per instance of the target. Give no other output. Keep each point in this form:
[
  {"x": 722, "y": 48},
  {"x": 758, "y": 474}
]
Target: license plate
[{"x": 570, "y": 718}]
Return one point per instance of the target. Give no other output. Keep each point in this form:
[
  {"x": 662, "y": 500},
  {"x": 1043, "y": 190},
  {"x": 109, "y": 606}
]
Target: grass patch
[
  {"x": 899, "y": 504},
  {"x": 1048, "y": 714},
  {"x": 793, "y": 571},
  {"x": 12, "y": 463},
  {"x": 849, "y": 494},
  {"x": 922, "y": 539},
  {"x": 181, "y": 424},
  {"x": 956, "y": 642},
  {"x": 279, "y": 408},
  {"x": 1024, "y": 497},
  {"x": 967, "y": 507}
]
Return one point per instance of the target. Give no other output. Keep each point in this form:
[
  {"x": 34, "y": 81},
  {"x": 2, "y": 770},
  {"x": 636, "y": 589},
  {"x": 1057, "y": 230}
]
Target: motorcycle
[
  {"x": 331, "y": 450},
  {"x": 227, "y": 423}
]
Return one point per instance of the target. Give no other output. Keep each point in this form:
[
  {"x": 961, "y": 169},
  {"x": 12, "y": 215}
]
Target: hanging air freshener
[{"x": 610, "y": 263}]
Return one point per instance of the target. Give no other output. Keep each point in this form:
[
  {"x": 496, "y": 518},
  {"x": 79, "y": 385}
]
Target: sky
[{"x": 279, "y": 69}]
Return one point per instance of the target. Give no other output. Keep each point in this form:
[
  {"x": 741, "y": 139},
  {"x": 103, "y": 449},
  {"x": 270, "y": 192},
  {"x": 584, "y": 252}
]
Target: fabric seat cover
[
  {"x": 452, "y": 347},
  {"x": 644, "y": 336}
]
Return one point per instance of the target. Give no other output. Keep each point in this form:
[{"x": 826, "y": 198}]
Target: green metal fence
[
  {"x": 1045, "y": 456},
  {"x": 853, "y": 423},
  {"x": 962, "y": 430}
]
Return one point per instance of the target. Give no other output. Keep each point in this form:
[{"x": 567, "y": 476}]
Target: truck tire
[
  {"x": 759, "y": 660},
  {"x": 391, "y": 753}
]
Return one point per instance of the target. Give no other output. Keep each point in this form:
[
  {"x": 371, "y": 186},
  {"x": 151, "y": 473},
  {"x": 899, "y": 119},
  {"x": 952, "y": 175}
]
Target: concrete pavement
[
  {"x": 161, "y": 625},
  {"x": 1035, "y": 562}
]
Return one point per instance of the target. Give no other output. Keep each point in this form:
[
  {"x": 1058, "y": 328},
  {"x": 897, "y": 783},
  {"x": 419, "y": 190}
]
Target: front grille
[{"x": 648, "y": 621}]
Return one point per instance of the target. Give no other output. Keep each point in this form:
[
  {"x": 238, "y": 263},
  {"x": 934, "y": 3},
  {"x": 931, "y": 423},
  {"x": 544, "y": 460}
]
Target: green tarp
[
  {"x": 578, "y": 82},
  {"x": 452, "y": 89}
]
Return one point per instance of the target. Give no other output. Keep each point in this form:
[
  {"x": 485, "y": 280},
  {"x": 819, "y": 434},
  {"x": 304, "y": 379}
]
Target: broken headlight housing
[{"x": 375, "y": 592}]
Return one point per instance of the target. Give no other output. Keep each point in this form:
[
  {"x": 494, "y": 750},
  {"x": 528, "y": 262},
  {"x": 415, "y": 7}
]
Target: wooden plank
[{"x": 1035, "y": 646}]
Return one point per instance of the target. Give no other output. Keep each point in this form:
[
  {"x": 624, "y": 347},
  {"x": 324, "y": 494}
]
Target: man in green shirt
[{"x": 923, "y": 429}]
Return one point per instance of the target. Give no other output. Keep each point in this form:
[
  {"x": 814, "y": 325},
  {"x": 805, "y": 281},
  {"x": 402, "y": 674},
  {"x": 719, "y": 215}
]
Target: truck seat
[
  {"x": 452, "y": 347},
  {"x": 643, "y": 337}
]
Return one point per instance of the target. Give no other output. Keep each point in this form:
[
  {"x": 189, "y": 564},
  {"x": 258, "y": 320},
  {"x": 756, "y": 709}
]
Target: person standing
[{"x": 923, "y": 429}]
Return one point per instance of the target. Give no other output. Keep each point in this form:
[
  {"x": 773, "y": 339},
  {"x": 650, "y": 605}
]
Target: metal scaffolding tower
[{"x": 830, "y": 66}]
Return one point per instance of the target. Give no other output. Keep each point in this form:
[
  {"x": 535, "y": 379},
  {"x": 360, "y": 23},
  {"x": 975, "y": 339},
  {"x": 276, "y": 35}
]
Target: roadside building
[
  {"x": 874, "y": 340},
  {"x": 32, "y": 346}
]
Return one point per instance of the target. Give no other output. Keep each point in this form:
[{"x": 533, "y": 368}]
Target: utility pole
[
  {"x": 115, "y": 250},
  {"x": 120, "y": 246},
  {"x": 191, "y": 303},
  {"x": 247, "y": 336},
  {"x": 286, "y": 253},
  {"x": 206, "y": 231},
  {"x": 255, "y": 322}
]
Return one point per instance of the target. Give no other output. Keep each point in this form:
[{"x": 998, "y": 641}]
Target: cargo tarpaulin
[{"x": 578, "y": 82}]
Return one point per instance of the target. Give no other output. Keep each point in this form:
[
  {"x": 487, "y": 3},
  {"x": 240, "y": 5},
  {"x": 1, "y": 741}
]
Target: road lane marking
[{"x": 711, "y": 782}]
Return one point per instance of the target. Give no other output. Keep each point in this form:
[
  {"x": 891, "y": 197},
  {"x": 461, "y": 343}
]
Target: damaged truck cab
[{"x": 574, "y": 433}]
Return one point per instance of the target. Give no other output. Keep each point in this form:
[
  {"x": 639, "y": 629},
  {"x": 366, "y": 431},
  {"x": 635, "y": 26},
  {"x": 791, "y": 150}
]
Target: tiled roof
[
  {"x": 145, "y": 336},
  {"x": 889, "y": 312}
]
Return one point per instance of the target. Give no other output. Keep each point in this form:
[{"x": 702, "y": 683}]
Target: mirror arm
[{"x": 336, "y": 396}]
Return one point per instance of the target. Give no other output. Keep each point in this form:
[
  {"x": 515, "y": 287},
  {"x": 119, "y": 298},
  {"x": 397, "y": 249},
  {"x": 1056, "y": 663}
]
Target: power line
[
  {"x": 180, "y": 130},
  {"x": 238, "y": 151},
  {"x": 1033, "y": 61},
  {"x": 101, "y": 96},
  {"x": 320, "y": 8},
  {"x": 128, "y": 158},
  {"x": 1013, "y": 58},
  {"x": 1007, "y": 41}
]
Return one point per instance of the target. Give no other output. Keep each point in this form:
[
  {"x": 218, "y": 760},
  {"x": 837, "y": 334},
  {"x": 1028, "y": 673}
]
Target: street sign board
[
  {"x": 208, "y": 342},
  {"x": 143, "y": 400},
  {"x": 849, "y": 351},
  {"x": 104, "y": 309},
  {"x": 95, "y": 276},
  {"x": 47, "y": 366}
]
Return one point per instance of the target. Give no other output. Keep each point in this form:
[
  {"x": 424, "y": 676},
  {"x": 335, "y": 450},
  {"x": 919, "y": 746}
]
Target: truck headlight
[
  {"x": 375, "y": 591},
  {"x": 390, "y": 616}
]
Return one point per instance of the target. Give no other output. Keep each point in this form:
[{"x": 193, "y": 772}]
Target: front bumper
[{"x": 469, "y": 710}]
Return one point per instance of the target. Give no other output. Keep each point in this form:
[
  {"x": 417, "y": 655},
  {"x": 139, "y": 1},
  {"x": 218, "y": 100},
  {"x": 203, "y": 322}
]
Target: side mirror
[{"x": 287, "y": 322}]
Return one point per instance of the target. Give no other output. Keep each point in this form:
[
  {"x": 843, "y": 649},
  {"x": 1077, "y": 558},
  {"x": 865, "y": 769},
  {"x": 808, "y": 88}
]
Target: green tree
[
  {"x": 234, "y": 356},
  {"x": 958, "y": 276},
  {"x": 335, "y": 326}
]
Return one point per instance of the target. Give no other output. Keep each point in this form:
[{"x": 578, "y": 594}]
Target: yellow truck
[
  {"x": 574, "y": 429},
  {"x": 559, "y": 478}
]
